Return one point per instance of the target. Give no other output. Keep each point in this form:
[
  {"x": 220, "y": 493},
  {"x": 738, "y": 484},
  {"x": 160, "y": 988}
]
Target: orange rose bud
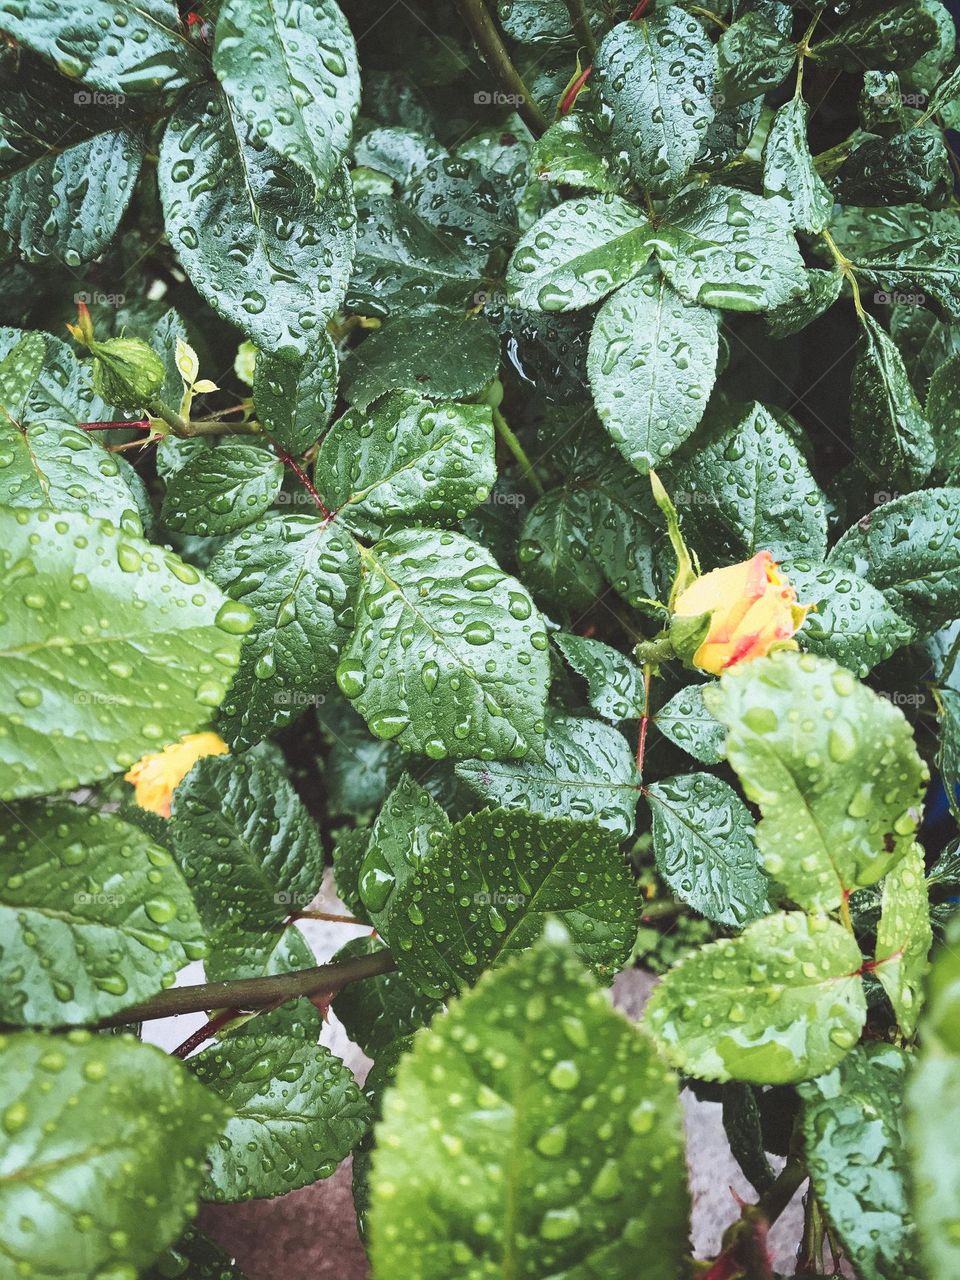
[
  {"x": 752, "y": 608},
  {"x": 159, "y": 773}
]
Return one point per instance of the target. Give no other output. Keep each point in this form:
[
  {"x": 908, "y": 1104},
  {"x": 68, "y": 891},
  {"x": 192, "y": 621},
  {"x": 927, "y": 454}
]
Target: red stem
[
  {"x": 644, "y": 722},
  {"x": 304, "y": 479},
  {"x": 204, "y": 1033},
  {"x": 143, "y": 425},
  {"x": 570, "y": 97},
  {"x": 639, "y": 10}
]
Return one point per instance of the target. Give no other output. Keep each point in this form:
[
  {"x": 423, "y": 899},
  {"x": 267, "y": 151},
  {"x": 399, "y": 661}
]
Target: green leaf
[
  {"x": 948, "y": 756},
  {"x": 291, "y": 73},
  {"x": 74, "y": 1186},
  {"x": 933, "y": 1113},
  {"x": 379, "y": 1010},
  {"x": 821, "y": 290},
  {"x": 284, "y": 951},
  {"x": 59, "y": 391},
  {"x": 406, "y": 461},
  {"x": 196, "y": 1257},
  {"x": 927, "y": 268},
  {"x": 614, "y": 681},
  {"x": 348, "y": 855},
  {"x": 886, "y": 422},
  {"x": 469, "y": 202},
  {"x": 782, "y": 1002},
  {"x": 483, "y": 892},
  {"x": 55, "y": 142},
  {"x": 409, "y": 825},
  {"x": 61, "y": 468},
  {"x": 578, "y": 253},
  {"x": 219, "y": 490},
  {"x": 748, "y": 488},
  {"x": 588, "y": 773},
  {"x": 397, "y": 152},
  {"x": 853, "y": 622},
  {"x": 789, "y": 172},
  {"x": 144, "y": 655},
  {"x": 248, "y": 847},
  {"x": 479, "y": 690},
  {"x": 910, "y": 550},
  {"x": 551, "y": 1058},
  {"x": 913, "y": 166},
  {"x": 729, "y": 249},
  {"x": 904, "y": 938},
  {"x": 754, "y": 54},
  {"x": 297, "y": 1112},
  {"x": 571, "y": 153},
  {"x": 295, "y": 401},
  {"x": 895, "y": 36},
  {"x": 703, "y": 840},
  {"x": 556, "y": 551},
  {"x": 96, "y": 916},
  {"x": 652, "y": 365},
  {"x": 943, "y": 413},
  {"x": 833, "y": 767},
  {"x": 444, "y": 354},
  {"x": 299, "y": 574},
  {"x": 217, "y": 188},
  {"x": 854, "y": 1147},
  {"x": 152, "y": 53},
  {"x": 655, "y": 79},
  {"x": 688, "y": 724}
]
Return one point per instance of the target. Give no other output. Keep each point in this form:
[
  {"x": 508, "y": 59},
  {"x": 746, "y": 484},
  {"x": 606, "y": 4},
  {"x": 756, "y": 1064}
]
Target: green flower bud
[{"x": 126, "y": 372}]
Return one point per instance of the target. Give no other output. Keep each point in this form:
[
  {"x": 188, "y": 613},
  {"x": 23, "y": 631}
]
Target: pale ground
[{"x": 311, "y": 1234}]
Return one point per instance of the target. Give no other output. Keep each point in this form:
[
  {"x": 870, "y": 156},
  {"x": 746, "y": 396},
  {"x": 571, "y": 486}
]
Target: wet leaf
[
  {"x": 614, "y": 681},
  {"x": 537, "y": 1049},
  {"x": 96, "y": 916},
  {"x": 886, "y": 422},
  {"x": 295, "y": 400},
  {"x": 833, "y": 767},
  {"x": 688, "y": 724},
  {"x": 904, "y": 938},
  {"x": 218, "y": 491},
  {"x": 789, "y": 172},
  {"x": 754, "y": 54},
  {"x": 377, "y": 1011},
  {"x": 703, "y": 839},
  {"x": 166, "y": 644},
  {"x": 781, "y": 1003},
  {"x": 196, "y": 1256},
  {"x": 894, "y": 36}
]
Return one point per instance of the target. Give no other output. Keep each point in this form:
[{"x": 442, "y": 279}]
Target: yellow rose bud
[
  {"x": 752, "y": 608},
  {"x": 159, "y": 773}
]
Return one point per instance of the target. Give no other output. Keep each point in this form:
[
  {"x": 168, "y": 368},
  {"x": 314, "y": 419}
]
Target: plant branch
[
  {"x": 742, "y": 1239},
  {"x": 289, "y": 461},
  {"x": 481, "y": 26},
  {"x": 644, "y": 719},
  {"x": 505, "y": 433},
  {"x": 581, "y": 26},
  {"x": 254, "y": 993}
]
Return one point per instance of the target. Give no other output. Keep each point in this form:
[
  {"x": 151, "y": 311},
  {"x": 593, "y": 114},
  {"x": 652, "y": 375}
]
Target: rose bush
[{"x": 511, "y": 458}]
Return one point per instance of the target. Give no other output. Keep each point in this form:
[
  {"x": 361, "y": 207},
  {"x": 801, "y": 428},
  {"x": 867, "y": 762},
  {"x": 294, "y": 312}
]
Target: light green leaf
[
  {"x": 144, "y": 655},
  {"x": 61, "y": 468},
  {"x": 524, "y": 1115},
  {"x": 928, "y": 268},
  {"x": 479, "y": 690},
  {"x": 75, "y": 1186},
  {"x": 297, "y": 1112},
  {"x": 853, "y": 622},
  {"x": 295, "y": 400},
  {"x": 748, "y": 488},
  {"x": 95, "y": 916},
  {"x": 854, "y": 1147},
  {"x": 729, "y": 249},
  {"x": 588, "y": 773},
  {"x": 688, "y": 724},
  {"x": 833, "y": 767},
  {"x": 789, "y": 172},
  {"x": 290, "y": 69},
  {"x": 219, "y": 490},
  {"x": 483, "y": 893},
  {"x": 886, "y": 422},
  {"x": 406, "y": 461},
  {"x": 59, "y": 391},
  {"x": 153, "y": 52},
  {"x": 409, "y": 825},
  {"x": 299, "y": 574},
  {"x": 904, "y": 938},
  {"x": 285, "y": 951},
  {"x": 614, "y": 681},
  {"x": 703, "y": 840},
  {"x": 571, "y": 153},
  {"x": 655, "y": 78},
  {"x": 652, "y": 364},
  {"x": 782, "y": 1002},
  {"x": 215, "y": 187},
  {"x": 444, "y": 354},
  {"x": 577, "y": 253},
  {"x": 910, "y": 550},
  {"x": 248, "y": 846}
]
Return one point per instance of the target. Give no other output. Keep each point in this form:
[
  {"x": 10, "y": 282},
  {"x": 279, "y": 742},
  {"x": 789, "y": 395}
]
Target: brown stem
[
  {"x": 204, "y": 1033},
  {"x": 481, "y": 26},
  {"x": 289, "y": 461}
]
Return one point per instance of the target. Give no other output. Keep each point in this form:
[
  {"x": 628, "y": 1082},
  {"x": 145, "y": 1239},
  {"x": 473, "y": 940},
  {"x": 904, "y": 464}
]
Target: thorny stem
[
  {"x": 710, "y": 15},
  {"x": 581, "y": 27},
  {"x": 503, "y": 430},
  {"x": 481, "y": 26},
  {"x": 254, "y": 993},
  {"x": 644, "y": 719},
  {"x": 740, "y": 1241},
  {"x": 324, "y": 915},
  {"x": 204, "y": 1033},
  {"x": 289, "y": 461},
  {"x": 847, "y": 267},
  {"x": 143, "y": 424}
]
